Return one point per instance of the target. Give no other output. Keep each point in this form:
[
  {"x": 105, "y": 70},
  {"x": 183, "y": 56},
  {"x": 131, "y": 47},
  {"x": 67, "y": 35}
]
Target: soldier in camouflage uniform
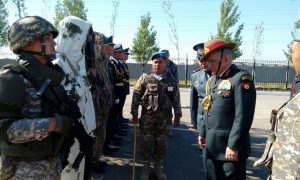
[
  {"x": 32, "y": 126},
  {"x": 157, "y": 93},
  {"x": 101, "y": 94},
  {"x": 286, "y": 157},
  {"x": 171, "y": 69}
]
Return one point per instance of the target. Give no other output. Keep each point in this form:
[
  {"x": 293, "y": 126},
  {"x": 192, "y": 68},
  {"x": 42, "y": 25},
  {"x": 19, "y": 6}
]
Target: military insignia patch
[
  {"x": 226, "y": 93},
  {"x": 224, "y": 85},
  {"x": 246, "y": 85},
  {"x": 206, "y": 50}
]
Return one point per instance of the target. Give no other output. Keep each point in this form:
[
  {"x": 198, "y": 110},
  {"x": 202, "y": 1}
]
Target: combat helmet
[{"x": 26, "y": 30}]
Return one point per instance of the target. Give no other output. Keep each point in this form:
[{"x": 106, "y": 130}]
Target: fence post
[
  {"x": 287, "y": 75},
  {"x": 186, "y": 70},
  {"x": 254, "y": 70}
]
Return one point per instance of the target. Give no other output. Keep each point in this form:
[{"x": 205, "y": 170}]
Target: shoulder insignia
[
  {"x": 246, "y": 77},
  {"x": 196, "y": 71},
  {"x": 246, "y": 85}
]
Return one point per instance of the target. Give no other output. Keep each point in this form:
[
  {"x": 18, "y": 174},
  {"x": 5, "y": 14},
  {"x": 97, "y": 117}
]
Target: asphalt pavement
[{"x": 183, "y": 160}]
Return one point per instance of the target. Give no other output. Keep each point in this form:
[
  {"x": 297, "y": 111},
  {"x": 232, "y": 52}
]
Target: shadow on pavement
[{"x": 183, "y": 160}]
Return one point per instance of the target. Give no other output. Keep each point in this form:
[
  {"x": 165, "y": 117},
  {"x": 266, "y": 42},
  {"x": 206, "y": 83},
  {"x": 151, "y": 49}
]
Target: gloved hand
[{"x": 63, "y": 123}]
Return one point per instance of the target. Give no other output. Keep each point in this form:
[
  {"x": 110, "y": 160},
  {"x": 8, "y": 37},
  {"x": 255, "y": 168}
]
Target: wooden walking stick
[{"x": 134, "y": 150}]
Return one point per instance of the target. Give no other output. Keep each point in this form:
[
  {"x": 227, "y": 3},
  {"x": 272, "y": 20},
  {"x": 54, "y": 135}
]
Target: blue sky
[{"x": 196, "y": 19}]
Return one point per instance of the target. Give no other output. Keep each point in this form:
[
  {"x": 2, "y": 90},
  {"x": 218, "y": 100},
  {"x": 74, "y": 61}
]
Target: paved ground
[{"x": 184, "y": 160}]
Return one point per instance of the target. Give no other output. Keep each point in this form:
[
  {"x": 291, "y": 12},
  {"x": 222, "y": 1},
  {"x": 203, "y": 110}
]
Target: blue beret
[
  {"x": 158, "y": 55},
  {"x": 166, "y": 52},
  {"x": 108, "y": 40},
  {"x": 118, "y": 47}
]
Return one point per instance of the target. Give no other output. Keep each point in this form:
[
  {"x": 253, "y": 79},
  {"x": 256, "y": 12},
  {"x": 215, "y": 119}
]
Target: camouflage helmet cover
[{"x": 27, "y": 29}]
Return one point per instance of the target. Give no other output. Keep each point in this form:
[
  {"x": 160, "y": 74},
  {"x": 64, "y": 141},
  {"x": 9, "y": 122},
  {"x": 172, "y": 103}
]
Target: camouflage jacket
[
  {"x": 156, "y": 95},
  {"x": 103, "y": 86},
  {"x": 286, "y": 154},
  {"x": 171, "y": 68}
]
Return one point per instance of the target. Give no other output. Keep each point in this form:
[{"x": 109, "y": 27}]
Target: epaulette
[
  {"x": 246, "y": 77},
  {"x": 196, "y": 71}
]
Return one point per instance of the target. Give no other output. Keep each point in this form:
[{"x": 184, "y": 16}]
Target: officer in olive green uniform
[
  {"x": 33, "y": 109},
  {"x": 229, "y": 105},
  {"x": 157, "y": 93}
]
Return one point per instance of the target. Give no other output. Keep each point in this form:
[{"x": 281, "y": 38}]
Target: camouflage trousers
[
  {"x": 100, "y": 133},
  {"x": 286, "y": 157},
  {"x": 154, "y": 131},
  {"x": 49, "y": 169}
]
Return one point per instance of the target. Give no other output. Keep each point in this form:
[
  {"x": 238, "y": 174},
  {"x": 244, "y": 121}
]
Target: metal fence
[{"x": 267, "y": 73}]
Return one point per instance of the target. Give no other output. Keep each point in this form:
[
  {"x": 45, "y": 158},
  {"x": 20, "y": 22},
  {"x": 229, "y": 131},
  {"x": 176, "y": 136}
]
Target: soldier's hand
[
  {"x": 176, "y": 121},
  {"x": 231, "y": 154},
  {"x": 201, "y": 141},
  {"x": 63, "y": 123},
  {"x": 135, "y": 119}
]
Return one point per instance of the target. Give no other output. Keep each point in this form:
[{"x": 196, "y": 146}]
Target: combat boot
[
  {"x": 146, "y": 170},
  {"x": 158, "y": 170}
]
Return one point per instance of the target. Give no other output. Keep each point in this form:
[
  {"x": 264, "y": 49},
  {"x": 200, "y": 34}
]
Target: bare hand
[
  {"x": 201, "y": 141},
  {"x": 176, "y": 121},
  {"x": 231, "y": 155},
  {"x": 135, "y": 119}
]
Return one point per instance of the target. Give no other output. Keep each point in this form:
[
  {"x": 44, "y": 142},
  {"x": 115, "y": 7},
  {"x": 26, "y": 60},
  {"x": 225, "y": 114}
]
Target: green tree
[
  {"x": 20, "y": 4},
  {"x": 3, "y": 22},
  {"x": 69, "y": 8},
  {"x": 174, "y": 37},
  {"x": 228, "y": 19},
  {"x": 114, "y": 16},
  {"x": 288, "y": 52},
  {"x": 144, "y": 44}
]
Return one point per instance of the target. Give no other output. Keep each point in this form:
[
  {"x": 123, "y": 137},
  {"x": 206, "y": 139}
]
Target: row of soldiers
[
  {"x": 52, "y": 96},
  {"x": 62, "y": 100}
]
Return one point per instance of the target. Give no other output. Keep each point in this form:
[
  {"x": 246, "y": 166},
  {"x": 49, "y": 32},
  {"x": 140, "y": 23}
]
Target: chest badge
[{"x": 224, "y": 85}]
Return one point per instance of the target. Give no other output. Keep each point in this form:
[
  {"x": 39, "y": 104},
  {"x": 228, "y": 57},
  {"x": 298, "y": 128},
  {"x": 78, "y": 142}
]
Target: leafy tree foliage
[
  {"x": 69, "y": 8},
  {"x": 3, "y": 23},
  {"x": 228, "y": 19},
  {"x": 144, "y": 44},
  {"x": 20, "y": 4},
  {"x": 288, "y": 52},
  {"x": 174, "y": 37}
]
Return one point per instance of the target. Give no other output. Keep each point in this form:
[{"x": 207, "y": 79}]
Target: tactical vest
[
  {"x": 49, "y": 146},
  {"x": 158, "y": 94}
]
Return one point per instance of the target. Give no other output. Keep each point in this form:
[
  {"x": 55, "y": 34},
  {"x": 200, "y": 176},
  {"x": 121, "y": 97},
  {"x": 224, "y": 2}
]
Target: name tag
[{"x": 170, "y": 88}]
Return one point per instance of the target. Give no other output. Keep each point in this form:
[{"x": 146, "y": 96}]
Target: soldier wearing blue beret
[
  {"x": 157, "y": 93},
  {"x": 229, "y": 108},
  {"x": 172, "y": 69}
]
